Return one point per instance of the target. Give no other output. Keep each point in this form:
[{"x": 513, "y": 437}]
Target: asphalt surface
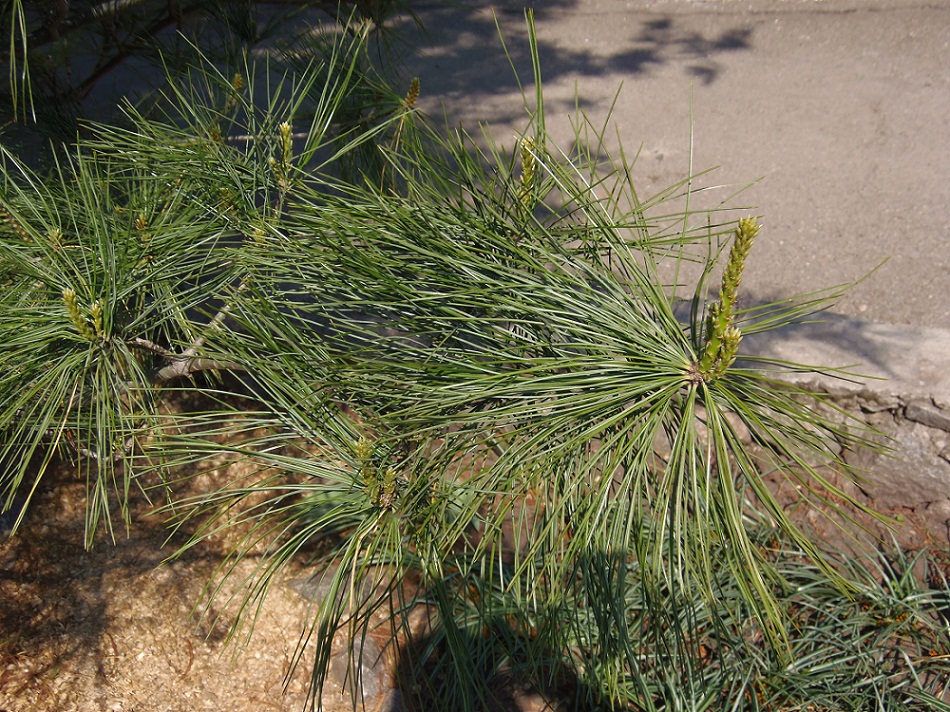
[{"x": 835, "y": 111}]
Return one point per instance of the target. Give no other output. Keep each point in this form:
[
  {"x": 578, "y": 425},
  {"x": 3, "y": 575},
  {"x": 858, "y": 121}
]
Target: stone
[
  {"x": 739, "y": 428},
  {"x": 363, "y": 665},
  {"x": 314, "y": 584},
  {"x": 911, "y": 474},
  {"x": 662, "y": 447},
  {"x": 927, "y": 414},
  {"x": 871, "y": 403},
  {"x": 939, "y": 511}
]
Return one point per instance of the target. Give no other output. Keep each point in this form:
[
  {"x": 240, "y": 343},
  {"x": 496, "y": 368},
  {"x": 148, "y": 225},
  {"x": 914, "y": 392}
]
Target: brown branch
[
  {"x": 147, "y": 345},
  {"x": 184, "y": 364},
  {"x": 187, "y": 366}
]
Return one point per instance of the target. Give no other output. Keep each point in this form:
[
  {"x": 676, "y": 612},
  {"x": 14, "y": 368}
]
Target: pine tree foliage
[{"x": 456, "y": 376}]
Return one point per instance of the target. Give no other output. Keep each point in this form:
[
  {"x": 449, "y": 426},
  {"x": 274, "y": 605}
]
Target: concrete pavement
[{"x": 836, "y": 109}]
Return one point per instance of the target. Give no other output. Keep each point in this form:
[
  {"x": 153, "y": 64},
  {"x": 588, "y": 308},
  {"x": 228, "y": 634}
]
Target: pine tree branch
[
  {"x": 187, "y": 366},
  {"x": 184, "y": 364}
]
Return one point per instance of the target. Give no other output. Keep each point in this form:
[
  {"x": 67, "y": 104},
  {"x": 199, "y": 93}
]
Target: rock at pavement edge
[
  {"x": 913, "y": 473},
  {"x": 927, "y": 414}
]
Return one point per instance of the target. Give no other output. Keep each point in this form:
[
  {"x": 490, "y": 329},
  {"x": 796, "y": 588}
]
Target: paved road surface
[{"x": 840, "y": 107}]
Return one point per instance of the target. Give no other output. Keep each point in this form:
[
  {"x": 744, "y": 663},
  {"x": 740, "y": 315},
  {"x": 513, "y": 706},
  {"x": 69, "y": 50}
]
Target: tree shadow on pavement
[{"x": 461, "y": 58}]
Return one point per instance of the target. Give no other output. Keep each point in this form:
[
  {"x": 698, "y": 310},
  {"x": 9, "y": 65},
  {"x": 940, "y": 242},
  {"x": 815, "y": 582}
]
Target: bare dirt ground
[
  {"x": 120, "y": 628},
  {"x": 115, "y": 629}
]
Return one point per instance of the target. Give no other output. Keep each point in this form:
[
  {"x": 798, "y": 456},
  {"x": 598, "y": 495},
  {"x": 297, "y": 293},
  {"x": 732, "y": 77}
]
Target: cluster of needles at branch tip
[{"x": 722, "y": 336}]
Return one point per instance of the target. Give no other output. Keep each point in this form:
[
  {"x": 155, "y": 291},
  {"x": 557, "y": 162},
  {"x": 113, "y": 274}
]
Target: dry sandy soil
[
  {"x": 115, "y": 629},
  {"x": 112, "y": 629}
]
